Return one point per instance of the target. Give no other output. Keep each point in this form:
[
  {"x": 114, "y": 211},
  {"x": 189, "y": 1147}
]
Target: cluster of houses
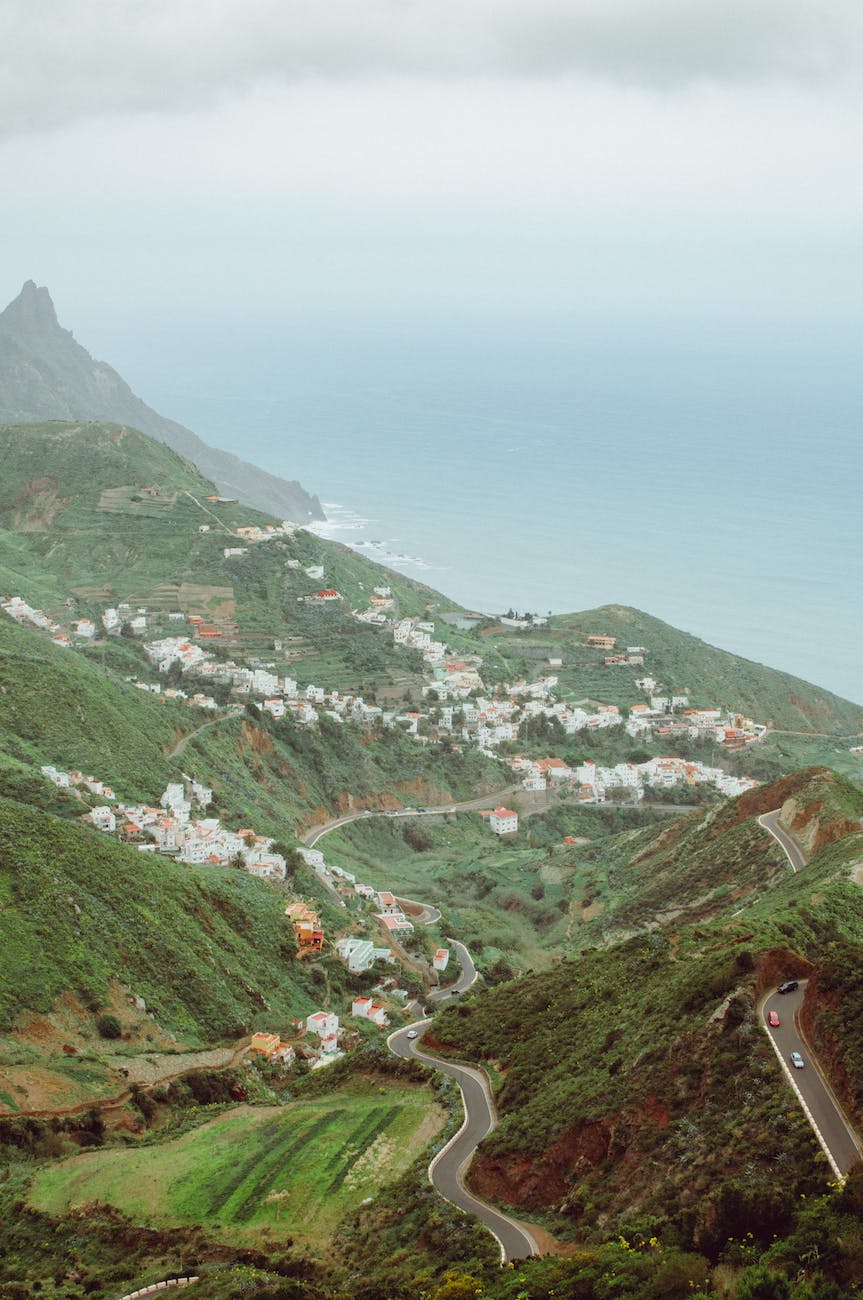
[
  {"x": 82, "y": 629},
  {"x": 171, "y": 829},
  {"x": 77, "y": 780},
  {"x": 596, "y": 783},
  {"x": 319, "y": 1038},
  {"x": 317, "y": 1041}
]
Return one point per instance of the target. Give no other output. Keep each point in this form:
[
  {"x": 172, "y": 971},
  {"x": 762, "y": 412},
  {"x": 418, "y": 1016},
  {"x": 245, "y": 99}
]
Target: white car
[
  {"x": 797, "y": 1060},
  {"x": 412, "y": 1033}
]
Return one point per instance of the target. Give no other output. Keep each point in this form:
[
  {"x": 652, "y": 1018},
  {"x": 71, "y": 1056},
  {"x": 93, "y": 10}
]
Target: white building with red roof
[{"x": 503, "y": 821}]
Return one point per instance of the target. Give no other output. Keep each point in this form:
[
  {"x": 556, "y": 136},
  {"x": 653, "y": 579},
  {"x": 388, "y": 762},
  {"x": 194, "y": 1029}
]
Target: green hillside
[
  {"x": 622, "y": 1058},
  {"x": 59, "y": 707},
  {"x": 46, "y": 374},
  {"x": 679, "y": 662},
  {"x": 208, "y": 949}
]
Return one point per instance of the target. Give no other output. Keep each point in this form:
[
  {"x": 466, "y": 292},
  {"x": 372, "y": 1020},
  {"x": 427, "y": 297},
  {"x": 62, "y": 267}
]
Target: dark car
[{"x": 790, "y": 986}]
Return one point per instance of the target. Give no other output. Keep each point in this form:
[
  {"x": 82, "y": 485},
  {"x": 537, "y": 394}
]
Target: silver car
[{"x": 797, "y": 1060}]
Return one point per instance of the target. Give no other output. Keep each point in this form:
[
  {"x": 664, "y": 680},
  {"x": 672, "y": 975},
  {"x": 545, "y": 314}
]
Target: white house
[
  {"x": 441, "y": 959},
  {"x": 366, "y": 1009},
  {"x": 104, "y": 819},
  {"x": 503, "y": 821},
  {"x": 323, "y": 1023}
]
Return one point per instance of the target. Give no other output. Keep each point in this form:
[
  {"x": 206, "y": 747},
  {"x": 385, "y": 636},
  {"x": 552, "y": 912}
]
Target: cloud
[{"x": 101, "y": 57}]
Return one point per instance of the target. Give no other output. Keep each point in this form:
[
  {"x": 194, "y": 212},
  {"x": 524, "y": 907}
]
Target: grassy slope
[
  {"x": 59, "y": 540},
  {"x": 209, "y": 949},
  {"x": 58, "y": 706},
  {"x": 296, "y": 1169}
]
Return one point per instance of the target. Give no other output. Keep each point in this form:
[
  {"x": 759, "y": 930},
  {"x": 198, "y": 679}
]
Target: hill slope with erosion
[
  {"x": 635, "y": 1081},
  {"x": 709, "y": 862},
  {"x": 46, "y": 375},
  {"x": 209, "y": 950}
]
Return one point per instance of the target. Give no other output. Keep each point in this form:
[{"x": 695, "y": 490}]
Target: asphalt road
[
  {"x": 824, "y": 1112},
  {"x": 793, "y": 852},
  {"x": 427, "y": 915},
  {"x": 448, "y": 1168}
]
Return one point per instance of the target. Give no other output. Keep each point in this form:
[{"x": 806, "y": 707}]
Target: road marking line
[
  {"x": 772, "y": 833},
  {"x": 806, "y": 1111}
]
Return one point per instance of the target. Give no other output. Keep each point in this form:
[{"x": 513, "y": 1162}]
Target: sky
[
  {"x": 201, "y": 183},
  {"x": 398, "y": 156}
]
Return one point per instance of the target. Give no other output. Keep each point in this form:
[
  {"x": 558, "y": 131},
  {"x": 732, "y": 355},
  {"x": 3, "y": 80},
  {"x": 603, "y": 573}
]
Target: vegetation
[
  {"x": 253, "y": 1169},
  {"x": 209, "y": 949},
  {"x": 680, "y": 663}
]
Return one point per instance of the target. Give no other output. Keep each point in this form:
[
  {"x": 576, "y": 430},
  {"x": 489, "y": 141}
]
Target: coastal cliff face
[{"x": 46, "y": 374}]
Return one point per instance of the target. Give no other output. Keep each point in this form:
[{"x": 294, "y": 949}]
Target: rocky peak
[{"x": 31, "y": 313}]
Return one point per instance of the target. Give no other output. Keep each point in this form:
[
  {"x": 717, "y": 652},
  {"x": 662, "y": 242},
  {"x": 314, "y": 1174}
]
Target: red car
[{"x": 773, "y": 1018}]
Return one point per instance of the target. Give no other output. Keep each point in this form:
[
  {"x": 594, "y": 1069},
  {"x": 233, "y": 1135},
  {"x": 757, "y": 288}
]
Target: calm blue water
[{"x": 708, "y": 477}]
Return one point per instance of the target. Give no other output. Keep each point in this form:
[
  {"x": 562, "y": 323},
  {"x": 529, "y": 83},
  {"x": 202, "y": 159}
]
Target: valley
[{"x": 263, "y": 801}]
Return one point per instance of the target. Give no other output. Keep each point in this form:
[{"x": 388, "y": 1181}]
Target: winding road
[
  {"x": 794, "y": 853},
  {"x": 447, "y": 1169},
  {"x": 820, "y": 1105}
]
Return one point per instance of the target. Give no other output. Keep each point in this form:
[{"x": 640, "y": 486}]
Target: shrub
[{"x": 109, "y": 1027}]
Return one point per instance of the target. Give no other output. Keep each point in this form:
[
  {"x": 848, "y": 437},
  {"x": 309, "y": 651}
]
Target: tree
[{"x": 108, "y": 1026}]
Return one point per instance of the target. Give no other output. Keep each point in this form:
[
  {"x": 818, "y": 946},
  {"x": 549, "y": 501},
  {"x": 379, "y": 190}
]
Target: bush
[{"x": 109, "y": 1027}]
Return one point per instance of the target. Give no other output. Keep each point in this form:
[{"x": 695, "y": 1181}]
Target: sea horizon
[{"x": 700, "y": 477}]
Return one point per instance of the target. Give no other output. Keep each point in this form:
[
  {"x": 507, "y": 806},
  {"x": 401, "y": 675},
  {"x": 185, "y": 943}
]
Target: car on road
[
  {"x": 788, "y": 986},
  {"x": 412, "y": 1033},
  {"x": 796, "y": 1060},
  {"x": 773, "y": 1018}
]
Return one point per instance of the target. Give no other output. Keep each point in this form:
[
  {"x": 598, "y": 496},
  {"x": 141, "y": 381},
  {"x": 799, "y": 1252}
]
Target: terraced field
[{"x": 297, "y": 1168}]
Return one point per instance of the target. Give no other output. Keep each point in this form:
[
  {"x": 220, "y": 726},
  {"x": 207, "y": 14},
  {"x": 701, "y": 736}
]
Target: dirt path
[
  {"x": 230, "y": 1056},
  {"x": 180, "y": 747}
]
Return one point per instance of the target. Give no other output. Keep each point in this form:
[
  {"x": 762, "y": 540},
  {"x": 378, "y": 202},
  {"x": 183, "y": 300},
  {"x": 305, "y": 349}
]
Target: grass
[
  {"x": 296, "y": 1169},
  {"x": 208, "y": 948}
]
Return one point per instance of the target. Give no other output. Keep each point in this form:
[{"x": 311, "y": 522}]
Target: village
[
  {"x": 456, "y": 705},
  {"x": 170, "y": 829}
]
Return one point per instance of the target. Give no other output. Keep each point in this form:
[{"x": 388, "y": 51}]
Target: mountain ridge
[{"x": 46, "y": 374}]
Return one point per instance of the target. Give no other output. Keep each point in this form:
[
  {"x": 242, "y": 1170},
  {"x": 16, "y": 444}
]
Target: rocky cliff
[{"x": 46, "y": 374}]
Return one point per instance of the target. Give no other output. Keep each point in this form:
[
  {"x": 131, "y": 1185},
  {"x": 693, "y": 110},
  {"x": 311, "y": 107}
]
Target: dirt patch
[
  {"x": 255, "y": 739},
  {"x": 536, "y": 1181},
  {"x": 778, "y": 964},
  {"x": 547, "y": 1243},
  {"x": 152, "y": 1068},
  {"x": 34, "y": 508},
  {"x": 857, "y": 873},
  {"x": 211, "y": 602}
]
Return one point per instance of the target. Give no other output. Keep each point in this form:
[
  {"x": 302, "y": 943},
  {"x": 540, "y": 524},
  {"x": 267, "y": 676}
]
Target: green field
[{"x": 296, "y": 1169}]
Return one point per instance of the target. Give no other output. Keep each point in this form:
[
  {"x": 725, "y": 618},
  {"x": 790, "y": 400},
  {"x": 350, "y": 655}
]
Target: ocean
[{"x": 707, "y": 474}]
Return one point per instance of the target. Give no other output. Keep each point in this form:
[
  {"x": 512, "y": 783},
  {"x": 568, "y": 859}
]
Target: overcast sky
[{"x": 421, "y": 155}]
